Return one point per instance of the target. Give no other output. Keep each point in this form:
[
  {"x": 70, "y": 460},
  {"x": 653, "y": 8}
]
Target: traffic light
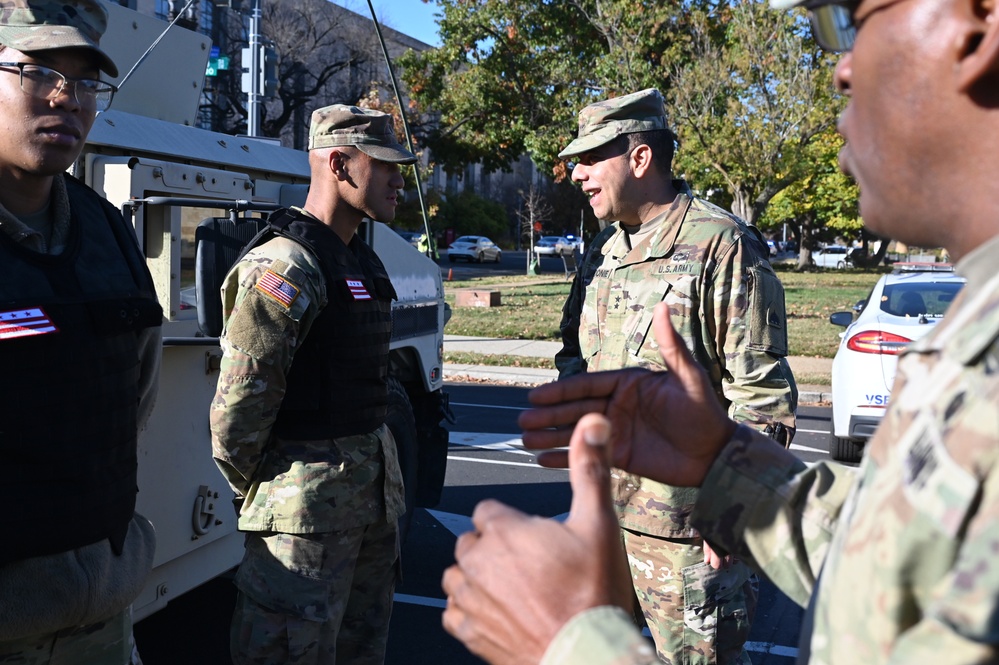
[{"x": 269, "y": 83}]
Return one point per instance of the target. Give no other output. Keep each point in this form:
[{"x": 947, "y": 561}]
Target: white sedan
[
  {"x": 903, "y": 306},
  {"x": 553, "y": 246},
  {"x": 833, "y": 256},
  {"x": 474, "y": 248}
]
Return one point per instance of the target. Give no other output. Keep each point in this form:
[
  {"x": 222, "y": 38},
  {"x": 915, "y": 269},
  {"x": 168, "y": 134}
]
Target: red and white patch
[
  {"x": 356, "y": 288},
  {"x": 25, "y": 323}
]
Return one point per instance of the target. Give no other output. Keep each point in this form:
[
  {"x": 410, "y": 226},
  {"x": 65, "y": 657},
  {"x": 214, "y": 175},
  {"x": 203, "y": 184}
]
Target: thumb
[
  {"x": 672, "y": 348},
  {"x": 589, "y": 476}
]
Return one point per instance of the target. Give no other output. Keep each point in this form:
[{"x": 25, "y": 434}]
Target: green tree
[
  {"x": 821, "y": 205},
  {"x": 746, "y": 86}
]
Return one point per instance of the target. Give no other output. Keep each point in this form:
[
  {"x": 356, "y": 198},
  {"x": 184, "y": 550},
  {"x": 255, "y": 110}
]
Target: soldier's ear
[
  {"x": 338, "y": 164},
  {"x": 978, "y": 57},
  {"x": 641, "y": 160}
]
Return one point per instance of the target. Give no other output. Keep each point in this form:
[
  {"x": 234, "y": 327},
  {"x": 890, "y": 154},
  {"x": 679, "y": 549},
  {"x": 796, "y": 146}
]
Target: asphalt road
[
  {"x": 512, "y": 263},
  {"x": 484, "y": 461}
]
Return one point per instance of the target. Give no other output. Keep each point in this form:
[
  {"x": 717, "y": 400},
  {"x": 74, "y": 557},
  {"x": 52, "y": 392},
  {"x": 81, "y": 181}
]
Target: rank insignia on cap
[
  {"x": 25, "y": 323},
  {"x": 277, "y": 287},
  {"x": 357, "y": 289}
]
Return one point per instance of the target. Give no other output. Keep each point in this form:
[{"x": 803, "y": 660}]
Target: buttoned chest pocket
[{"x": 624, "y": 312}]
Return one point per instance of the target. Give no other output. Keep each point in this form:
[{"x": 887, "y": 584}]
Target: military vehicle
[{"x": 146, "y": 156}]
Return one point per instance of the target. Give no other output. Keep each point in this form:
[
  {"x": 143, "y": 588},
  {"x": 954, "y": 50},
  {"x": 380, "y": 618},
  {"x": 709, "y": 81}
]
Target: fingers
[
  {"x": 589, "y": 475},
  {"x": 560, "y": 413}
]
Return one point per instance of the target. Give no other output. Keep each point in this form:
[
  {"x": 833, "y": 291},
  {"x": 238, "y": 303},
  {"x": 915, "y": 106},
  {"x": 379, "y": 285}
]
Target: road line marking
[
  {"x": 813, "y": 431},
  {"x": 498, "y": 461},
  {"x": 420, "y": 600},
  {"x": 490, "y": 406},
  {"x": 509, "y": 443}
]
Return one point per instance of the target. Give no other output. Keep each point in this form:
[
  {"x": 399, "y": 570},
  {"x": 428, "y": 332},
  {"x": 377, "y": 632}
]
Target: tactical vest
[
  {"x": 69, "y": 399},
  {"x": 337, "y": 385}
]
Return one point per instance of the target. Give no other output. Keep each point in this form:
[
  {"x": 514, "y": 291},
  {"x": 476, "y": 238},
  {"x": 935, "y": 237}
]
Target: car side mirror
[{"x": 842, "y": 319}]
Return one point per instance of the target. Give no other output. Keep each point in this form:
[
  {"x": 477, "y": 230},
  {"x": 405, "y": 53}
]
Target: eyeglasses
[
  {"x": 46, "y": 83},
  {"x": 834, "y": 22}
]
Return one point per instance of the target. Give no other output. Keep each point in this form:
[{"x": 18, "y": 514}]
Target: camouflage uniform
[
  {"x": 727, "y": 304},
  {"x": 915, "y": 528},
  {"x": 322, "y": 547},
  {"x": 71, "y": 607}
]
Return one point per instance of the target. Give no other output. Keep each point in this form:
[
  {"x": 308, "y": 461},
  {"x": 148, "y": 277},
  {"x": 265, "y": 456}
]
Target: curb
[{"x": 527, "y": 376}]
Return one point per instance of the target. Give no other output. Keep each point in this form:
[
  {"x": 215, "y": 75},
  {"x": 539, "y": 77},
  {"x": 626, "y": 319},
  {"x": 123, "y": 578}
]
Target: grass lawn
[{"x": 531, "y": 308}]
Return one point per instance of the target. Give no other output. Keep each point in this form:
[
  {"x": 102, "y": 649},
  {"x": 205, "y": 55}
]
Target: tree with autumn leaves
[{"x": 748, "y": 92}]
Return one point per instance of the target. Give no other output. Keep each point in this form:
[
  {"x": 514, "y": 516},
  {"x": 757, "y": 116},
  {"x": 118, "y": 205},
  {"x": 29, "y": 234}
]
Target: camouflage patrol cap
[
  {"x": 40, "y": 25},
  {"x": 602, "y": 122},
  {"x": 368, "y": 130}
]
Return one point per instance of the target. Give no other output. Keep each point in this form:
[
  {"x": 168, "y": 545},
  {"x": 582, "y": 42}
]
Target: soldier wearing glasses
[
  {"x": 80, "y": 348},
  {"x": 894, "y": 561}
]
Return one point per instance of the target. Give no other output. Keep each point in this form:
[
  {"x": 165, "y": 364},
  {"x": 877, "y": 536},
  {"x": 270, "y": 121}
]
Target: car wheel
[
  {"x": 841, "y": 264},
  {"x": 845, "y": 450},
  {"x": 402, "y": 423},
  {"x": 499, "y": 255},
  {"x": 478, "y": 257}
]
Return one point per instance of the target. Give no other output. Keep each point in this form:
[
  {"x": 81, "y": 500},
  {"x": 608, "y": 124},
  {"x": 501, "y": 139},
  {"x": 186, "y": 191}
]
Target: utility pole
[{"x": 254, "y": 94}]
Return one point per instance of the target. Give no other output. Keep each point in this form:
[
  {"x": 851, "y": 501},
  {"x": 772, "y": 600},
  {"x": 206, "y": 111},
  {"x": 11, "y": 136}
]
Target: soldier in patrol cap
[
  {"x": 80, "y": 347},
  {"x": 895, "y": 561},
  {"x": 298, "y": 420},
  {"x": 713, "y": 272}
]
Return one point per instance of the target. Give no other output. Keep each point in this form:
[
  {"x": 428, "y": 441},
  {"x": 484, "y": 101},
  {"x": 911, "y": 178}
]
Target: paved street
[{"x": 484, "y": 461}]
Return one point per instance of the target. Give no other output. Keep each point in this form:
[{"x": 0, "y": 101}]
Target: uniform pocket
[
  {"x": 284, "y": 574},
  {"x": 716, "y": 613},
  {"x": 767, "y": 315}
]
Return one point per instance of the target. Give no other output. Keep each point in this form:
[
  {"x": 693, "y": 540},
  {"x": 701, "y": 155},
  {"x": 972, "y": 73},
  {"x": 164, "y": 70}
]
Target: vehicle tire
[
  {"x": 845, "y": 450},
  {"x": 499, "y": 256},
  {"x": 402, "y": 423},
  {"x": 478, "y": 257},
  {"x": 452, "y": 259},
  {"x": 841, "y": 264}
]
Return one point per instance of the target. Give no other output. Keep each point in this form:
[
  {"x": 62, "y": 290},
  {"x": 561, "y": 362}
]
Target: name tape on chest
[
  {"x": 25, "y": 323},
  {"x": 356, "y": 288},
  {"x": 278, "y": 288}
]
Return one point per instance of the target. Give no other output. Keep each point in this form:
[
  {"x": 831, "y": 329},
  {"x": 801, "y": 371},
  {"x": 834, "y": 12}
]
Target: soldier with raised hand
[
  {"x": 895, "y": 562},
  {"x": 80, "y": 348},
  {"x": 298, "y": 419},
  {"x": 713, "y": 271}
]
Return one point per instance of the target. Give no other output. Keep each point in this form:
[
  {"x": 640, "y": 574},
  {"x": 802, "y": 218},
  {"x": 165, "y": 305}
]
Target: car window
[
  {"x": 469, "y": 239},
  {"x": 914, "y": 299}
]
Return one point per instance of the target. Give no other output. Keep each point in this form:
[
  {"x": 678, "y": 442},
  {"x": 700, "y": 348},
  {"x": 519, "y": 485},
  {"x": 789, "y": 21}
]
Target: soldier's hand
[
  {"x": 518, "y": 579},
  {"x": 668, "y": 426}
]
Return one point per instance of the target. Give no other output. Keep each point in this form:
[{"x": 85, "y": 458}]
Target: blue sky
[{"x": 412, "y": 17}]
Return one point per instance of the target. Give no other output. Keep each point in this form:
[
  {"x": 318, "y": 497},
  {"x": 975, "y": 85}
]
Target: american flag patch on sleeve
[
  {"x": 357, "y": 289},
  {"x": 25, "y": 323},
  {"x": 277, "y": 287}
]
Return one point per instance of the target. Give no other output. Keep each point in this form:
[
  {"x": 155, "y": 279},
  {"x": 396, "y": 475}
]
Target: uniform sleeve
[
  {"x": 150, "y": 341},
  {"x": 749, "y": 329},
  {"x": 569, "y": 360},
  {"x": 270, "y": 307},
  {"x": 767, "y": 507},
  {"x": 600, "y": 636}
]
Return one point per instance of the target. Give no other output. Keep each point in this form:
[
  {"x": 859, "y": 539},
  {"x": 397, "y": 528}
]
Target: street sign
[{"x": 216, "y": 65}]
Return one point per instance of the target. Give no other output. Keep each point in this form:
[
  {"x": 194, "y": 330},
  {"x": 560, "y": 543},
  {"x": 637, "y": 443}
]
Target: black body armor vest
[
  {"x": 69, "y": 401},
  {"x": 337, "y": 385}
]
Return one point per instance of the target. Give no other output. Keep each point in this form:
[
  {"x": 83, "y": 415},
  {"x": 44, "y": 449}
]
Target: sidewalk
[{"x": 807, "y": 393}]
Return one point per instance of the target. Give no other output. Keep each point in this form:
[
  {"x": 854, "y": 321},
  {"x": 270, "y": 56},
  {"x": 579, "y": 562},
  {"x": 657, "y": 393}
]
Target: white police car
[{"x": 902, "y": 307}]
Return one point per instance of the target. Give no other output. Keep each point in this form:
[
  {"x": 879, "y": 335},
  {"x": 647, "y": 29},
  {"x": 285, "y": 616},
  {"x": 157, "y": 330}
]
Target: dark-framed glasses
[
  {"x": 46, "y": 83},
  {"x": 832, "y": 23}
]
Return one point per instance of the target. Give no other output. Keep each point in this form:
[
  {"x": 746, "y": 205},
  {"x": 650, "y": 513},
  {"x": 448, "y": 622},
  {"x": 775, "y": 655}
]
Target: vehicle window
[
  {"x": 470, "y": 239},
  {"x": 931, "y": 298}
]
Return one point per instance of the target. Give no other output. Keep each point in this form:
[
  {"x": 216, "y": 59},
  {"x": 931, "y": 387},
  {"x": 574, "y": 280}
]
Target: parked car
[
  {"x": 553, "y": 246},
  {"x": 474, "y": 248},
  {"x": 902, "y": 307},
  {"x": 833, "y": 256},
  {"x": 772, "y": 246},
  {"x": 412, "y": 237}
]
